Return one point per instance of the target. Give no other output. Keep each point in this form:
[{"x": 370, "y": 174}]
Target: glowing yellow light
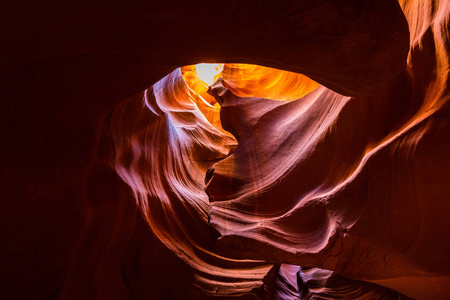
[
  {"x": 246, "y": 80},
  {"x": 208, "y": 73}
]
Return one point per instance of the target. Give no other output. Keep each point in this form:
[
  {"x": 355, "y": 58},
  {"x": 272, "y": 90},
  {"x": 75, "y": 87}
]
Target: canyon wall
[{"x": 119, "y": 180}]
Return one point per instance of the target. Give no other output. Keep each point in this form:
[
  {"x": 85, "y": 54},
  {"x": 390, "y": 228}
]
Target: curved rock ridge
[
  {"x": 163, "y": 156},
  {"x": 249, "y": 187},
  {"x": 346, "y": 184},
  {"x": 295, "y": 283}
]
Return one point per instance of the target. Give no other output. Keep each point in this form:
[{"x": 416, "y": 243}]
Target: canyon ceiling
[{"x": 316, "y": 165}]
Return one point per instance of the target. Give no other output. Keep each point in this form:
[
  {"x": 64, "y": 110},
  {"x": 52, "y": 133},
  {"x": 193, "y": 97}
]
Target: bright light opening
[{"x": 208, "y": 73}]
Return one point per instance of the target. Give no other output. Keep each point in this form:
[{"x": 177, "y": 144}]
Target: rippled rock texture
[{"x": 315, "y": 167}]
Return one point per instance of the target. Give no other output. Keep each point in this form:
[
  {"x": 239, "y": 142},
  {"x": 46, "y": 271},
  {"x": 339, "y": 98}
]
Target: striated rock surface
[{"x": 124, "y": 175}]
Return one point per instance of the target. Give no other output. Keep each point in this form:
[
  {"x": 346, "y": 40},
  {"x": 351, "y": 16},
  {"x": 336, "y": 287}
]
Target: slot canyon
[{"x": 225, "y": 149}]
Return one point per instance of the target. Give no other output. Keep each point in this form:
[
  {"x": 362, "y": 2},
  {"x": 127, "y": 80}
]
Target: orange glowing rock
[{"x": 245, "y": 80}]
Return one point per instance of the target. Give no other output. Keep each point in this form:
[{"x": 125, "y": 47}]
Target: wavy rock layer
[
  {"x": 163, "y": 156},
  {"x": 315, "y": 181},
  {"x": 310, "y": 180}
]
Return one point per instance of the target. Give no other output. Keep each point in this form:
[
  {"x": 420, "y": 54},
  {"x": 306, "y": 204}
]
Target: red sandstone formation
[{"x": 125, "y": 175}]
